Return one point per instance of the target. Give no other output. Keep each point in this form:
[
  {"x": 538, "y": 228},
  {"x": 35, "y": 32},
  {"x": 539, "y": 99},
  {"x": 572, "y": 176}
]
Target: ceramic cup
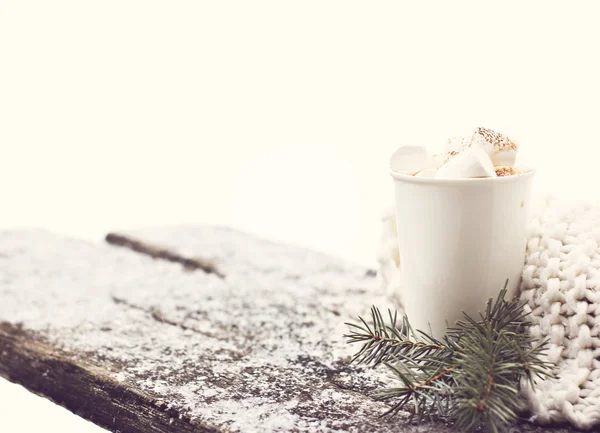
[{"x": 459, "y": 241}]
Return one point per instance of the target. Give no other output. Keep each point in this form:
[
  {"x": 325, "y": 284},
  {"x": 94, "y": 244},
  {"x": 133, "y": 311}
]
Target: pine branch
[
  {"x": 426, "y": 391},
  {"x": 471, "y": 376},
  {"x": 389, "y": 343}
]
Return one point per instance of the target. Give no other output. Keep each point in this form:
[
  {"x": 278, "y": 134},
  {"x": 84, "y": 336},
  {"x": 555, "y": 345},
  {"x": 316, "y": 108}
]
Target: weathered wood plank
[
  {"x": 84, "y": 388},
  {"x": 214, "y": 350},
  {"x": 137, "y": 344}
]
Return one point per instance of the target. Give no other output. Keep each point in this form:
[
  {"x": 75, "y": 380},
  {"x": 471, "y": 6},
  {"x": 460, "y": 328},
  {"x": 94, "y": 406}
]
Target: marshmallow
[
  {"x": 457, "y": 144},
  {"x": 411, "y": 160},
  {"x": 430, "y": 172},
  {"x": 454, "y": 145},
  {"x": 439, "y": 159},
  {"x": 443, "y": 158},
  {"x": 501, "y": 149},
  {"x": 471, "y": 162}
]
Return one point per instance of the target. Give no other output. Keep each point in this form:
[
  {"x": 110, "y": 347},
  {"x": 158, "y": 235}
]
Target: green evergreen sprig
[{"x": 470, "y": 377}]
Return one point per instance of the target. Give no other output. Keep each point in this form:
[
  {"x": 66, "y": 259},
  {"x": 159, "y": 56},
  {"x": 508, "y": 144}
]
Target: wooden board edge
[{"x": 83, "y": 389}]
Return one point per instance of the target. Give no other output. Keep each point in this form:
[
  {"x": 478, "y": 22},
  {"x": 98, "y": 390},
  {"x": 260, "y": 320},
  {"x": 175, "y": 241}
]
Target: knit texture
[{"x": 561, "y": 276}]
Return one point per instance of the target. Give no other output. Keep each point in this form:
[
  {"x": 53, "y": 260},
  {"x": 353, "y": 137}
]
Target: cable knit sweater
[{"x": 561, "y": 285}]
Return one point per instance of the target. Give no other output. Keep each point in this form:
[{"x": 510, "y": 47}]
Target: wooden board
[{"x": 189, "y": 330}]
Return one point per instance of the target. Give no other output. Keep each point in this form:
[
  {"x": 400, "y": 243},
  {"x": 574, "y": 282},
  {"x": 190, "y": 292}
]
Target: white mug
[{"x": 460, "y": 240}]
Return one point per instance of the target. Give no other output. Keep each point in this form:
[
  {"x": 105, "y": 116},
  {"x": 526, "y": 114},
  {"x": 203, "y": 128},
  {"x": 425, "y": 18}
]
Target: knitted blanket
[{"x": 560, "y": 277}]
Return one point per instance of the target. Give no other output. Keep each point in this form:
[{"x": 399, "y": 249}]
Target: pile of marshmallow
[{"x": 485, "y": 154}]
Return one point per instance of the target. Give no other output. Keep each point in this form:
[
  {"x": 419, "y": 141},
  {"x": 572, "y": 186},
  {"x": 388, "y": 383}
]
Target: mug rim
[{"x": 462, "y": 180}]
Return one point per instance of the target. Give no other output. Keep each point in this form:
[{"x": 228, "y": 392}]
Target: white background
[{"x": 273, "y": 117}]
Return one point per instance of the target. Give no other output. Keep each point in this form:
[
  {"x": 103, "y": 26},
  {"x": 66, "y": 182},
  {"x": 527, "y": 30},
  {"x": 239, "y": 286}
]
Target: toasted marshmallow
[
  {"x": 430, "y": 172},
  {"x": 411, "y": 160},
  {"x": 471, "y": 162},
  {"x": 501, "y": 149}
]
